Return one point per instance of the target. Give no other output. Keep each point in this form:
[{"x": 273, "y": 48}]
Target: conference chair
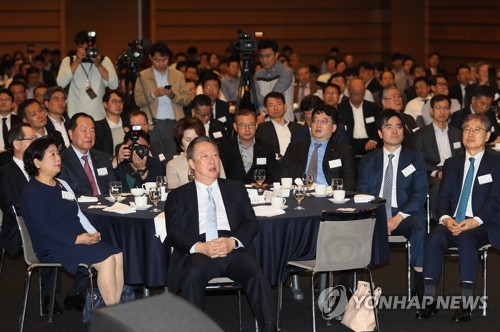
[
  {"x": 226, "y": 285},
  {"x": 350, "y": 240},
  {"x": 33, "y": 263},
  {"x": 483, "y": 255}
]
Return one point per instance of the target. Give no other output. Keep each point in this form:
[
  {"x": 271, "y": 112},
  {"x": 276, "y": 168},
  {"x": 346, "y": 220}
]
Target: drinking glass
[
  {"x": 307, "y": 180},
  {"x": 337, "y": 184},
  {"x": 161, "y": 181},
  {"x": 115, "y": 189},
  {"x": 299, "y": 193},
  {"x": 259, "y": 176},
  {"x": 155, "y": 197}
]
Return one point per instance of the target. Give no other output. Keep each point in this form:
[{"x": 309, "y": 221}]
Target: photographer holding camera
[
  {"x": 86, "y": 76},
  {"x": 139, "y": 167}
]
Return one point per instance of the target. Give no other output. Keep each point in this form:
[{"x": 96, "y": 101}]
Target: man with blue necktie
[
  {"x": 466, "y": 209},
  {"x": 211, "y": 225}
]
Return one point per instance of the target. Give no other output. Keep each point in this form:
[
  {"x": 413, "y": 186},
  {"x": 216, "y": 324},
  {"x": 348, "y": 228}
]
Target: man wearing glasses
[
  {"x": 438, "y": 142},
  {"x": 320, "y": 155},
  {"x": 244, "y": 153},
  {"x": 481, "y": 101},
  {"x": 161, "y": 93},
  {"x": 109, "y": 132},
  {"x": 468, "y": 204},
  {"x": 202, "y": 109}
]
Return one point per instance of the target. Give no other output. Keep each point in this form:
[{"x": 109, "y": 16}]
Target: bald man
[{"x": 359, "y": 117}]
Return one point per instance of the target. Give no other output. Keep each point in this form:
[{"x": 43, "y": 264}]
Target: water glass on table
[
  {"x": 115, "y": 189},
  {"x": 155, "y": 196},
  {"x": 259, "y": 176},
  {"x": 299, "y": 193}
]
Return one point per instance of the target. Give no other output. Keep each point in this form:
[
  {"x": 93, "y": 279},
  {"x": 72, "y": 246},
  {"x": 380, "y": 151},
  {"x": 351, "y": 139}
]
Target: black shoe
[
  {"x": 462, "y": 315},
  {"x": 76, "y": 301},
  {"x": 46, "y": 306},
  {"x": 427, "y": 311}
]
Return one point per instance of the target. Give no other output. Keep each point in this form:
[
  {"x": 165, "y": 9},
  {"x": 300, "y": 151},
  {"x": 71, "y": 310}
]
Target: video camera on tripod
[
  {"x": 246, "y": 45},
  {"x": 131, "y": 58}
]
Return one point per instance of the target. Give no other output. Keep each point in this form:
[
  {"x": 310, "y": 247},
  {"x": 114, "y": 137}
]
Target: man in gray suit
[{"x": 438, "y": 142}]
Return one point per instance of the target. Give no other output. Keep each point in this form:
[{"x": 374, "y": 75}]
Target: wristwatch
[{"x": 141, "y": 172}]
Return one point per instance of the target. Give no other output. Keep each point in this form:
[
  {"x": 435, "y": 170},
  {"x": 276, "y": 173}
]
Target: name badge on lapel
[
  {"x": 67, "y": 195},
  {"x": 370, "y": 119},
  {"x": 222, "y": 119},
  {"x": 335, "y": 163},
  {"x": 484, "y": 179},
  {"x": 456, "y": 145},
  {"x": 261, "y": 161},
  {"x": 408, "y": 170},
  {"x": 217, "y": 134},
  {"x": 103, "y": 171}
]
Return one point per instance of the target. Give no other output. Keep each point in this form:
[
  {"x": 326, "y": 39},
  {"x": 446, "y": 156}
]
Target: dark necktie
[
  {"x": 5, "y": 132},
  {"x": 387, "y": 190},
  {"x": 466, "y": 189},
  {"x": 211, "y": 223},
  {"x": 313, "y": 163},
  {"x": 90, "y": 175}
]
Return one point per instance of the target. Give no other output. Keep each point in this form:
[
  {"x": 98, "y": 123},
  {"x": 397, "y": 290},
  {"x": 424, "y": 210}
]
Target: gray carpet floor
[{"x": 296, "y": 315}]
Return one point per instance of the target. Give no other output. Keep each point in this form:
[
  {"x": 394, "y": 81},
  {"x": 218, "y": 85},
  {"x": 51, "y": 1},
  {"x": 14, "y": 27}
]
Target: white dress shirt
[
  {"x": 359, "y": 130},
  {"x": 284, "y": 135}
]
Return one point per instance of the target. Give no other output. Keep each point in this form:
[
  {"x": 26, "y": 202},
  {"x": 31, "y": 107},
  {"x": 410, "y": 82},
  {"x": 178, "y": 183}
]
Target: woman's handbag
[{"x": 359, "y": 314}]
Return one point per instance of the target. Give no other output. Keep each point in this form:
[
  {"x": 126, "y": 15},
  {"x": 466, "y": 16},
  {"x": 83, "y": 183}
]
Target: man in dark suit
[
  {"x": 481, "y": 101},
  {"x": 359, "y": 117},
  {"x": 434, "y": 69},
  {"x": 220, "y": 109},
  {"x": 88, "y": 171},
  {"x": 366, "y": 74},
  {"x": 13, "y": 179},
  {"x": 202, "y": 109},
  {"x": 391, "y": 99},
  {"x": 398, "y": 174},
  {"x": 320, "y": 155},
  {"x": 438, "y": 142},
  {"x": 33, "y": 114},
  {"x": 211, "y": 226},
  {"x": 468, "y": 214},
  {"x": 9, "y": 120},
  {"x": 458, "y": 90},
  {"x": 109, "y": 131},
  {"x": 54, "y": 101},
  {"x": 278, "y": 131},
  {"x": 244, "y": 153}
]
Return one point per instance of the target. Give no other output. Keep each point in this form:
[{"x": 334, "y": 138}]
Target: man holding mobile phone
[{"x": 164, "y": 90}]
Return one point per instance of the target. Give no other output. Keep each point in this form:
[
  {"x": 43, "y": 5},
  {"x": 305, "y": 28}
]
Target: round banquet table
[
  {"x": 290, "y": 236},
  {"x": 145, "y": 257}
]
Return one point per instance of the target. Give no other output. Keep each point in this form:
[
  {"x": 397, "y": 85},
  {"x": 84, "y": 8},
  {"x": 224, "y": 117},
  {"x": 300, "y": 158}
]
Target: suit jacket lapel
[
  {"x": 192, "y": 204},
  {"x": 378, "y": 165}
]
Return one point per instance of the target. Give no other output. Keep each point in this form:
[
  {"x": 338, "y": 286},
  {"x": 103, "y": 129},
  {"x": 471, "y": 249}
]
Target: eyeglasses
[
  {"x": 320, "y": 122},
  {"x": 393, "y": 97},
  {"x": 204, "y": 115},
  {"x": 5, "y": 99},
  {"x": 116, "y": 102},
  {"x": 246, "y": 125},
  {"x": 30, "y": 138},
  {"x": 473, "y": 130},
  {"x": 439, "y": 108}
]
